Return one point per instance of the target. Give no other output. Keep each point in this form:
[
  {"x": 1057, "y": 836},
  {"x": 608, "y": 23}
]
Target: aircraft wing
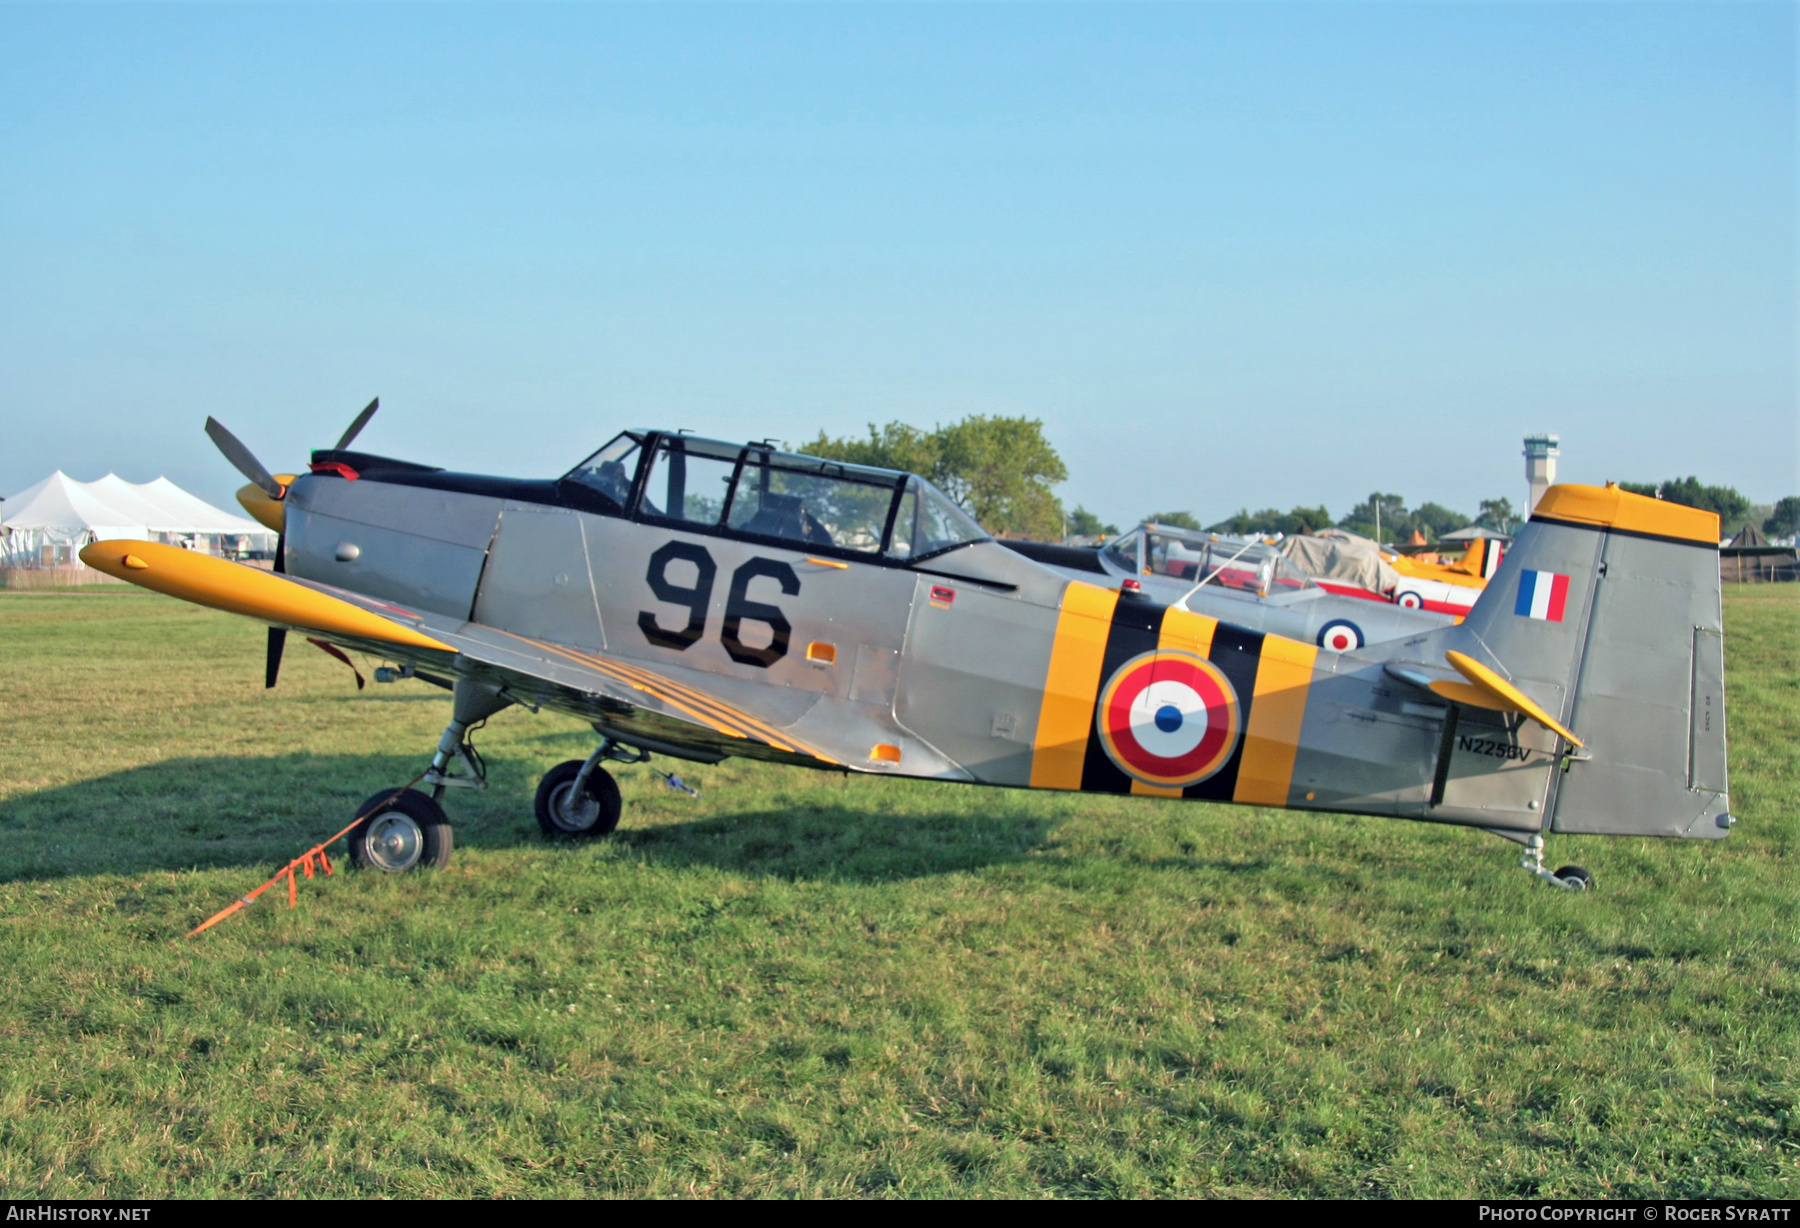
[
  {"x": 624, "y": 698},
  {"x": 641, "y": 705}
]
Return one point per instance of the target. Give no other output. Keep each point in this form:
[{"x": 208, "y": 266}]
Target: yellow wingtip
[{"x": 236, "y": 589}]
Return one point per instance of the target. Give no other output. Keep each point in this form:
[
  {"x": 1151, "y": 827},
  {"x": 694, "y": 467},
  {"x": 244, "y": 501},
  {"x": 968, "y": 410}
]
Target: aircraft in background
[
  {"x": 1245, "y": 581},
  {"x": 698, "y": 599},
  {"x": 1353, "y": 566},
  {"x": 1446, "y": 588}
]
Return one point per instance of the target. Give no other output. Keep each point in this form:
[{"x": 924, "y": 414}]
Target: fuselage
[
  {"x": 973, "y": 664},
  {"x": 867, "y": 622}
]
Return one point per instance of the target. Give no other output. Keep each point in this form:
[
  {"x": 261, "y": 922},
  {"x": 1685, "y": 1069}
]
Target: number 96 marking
[{"x": 739, "y": 609}]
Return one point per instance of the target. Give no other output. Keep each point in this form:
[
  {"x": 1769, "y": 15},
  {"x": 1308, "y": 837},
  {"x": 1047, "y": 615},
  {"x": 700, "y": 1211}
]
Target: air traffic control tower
[{"x": 1541, "y": 452}]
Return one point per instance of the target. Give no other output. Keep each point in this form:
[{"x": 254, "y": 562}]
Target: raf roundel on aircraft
[
  {"x": 1341, "y": 635},
  {"x": 1169, "y": 719}
]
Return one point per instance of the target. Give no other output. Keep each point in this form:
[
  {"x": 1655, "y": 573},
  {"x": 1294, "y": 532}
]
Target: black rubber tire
[
  {"x": 603, "y": 795},
  {"x": 400, "y": 831},
  {"x": 1577, "y": 876}
]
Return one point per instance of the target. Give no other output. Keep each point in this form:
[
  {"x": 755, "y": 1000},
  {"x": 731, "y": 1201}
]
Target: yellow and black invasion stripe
[{"x": 1098, "y": 631}]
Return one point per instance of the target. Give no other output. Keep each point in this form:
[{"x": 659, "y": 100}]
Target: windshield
[
  {"x": 929, "y": 523},
  {"x": 1123, "y": 552},
  {"x": 611, "y": 469}
]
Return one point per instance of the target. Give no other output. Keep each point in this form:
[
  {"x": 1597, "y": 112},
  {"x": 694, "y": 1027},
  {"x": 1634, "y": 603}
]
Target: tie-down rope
[{"x": 304, "y": 863}]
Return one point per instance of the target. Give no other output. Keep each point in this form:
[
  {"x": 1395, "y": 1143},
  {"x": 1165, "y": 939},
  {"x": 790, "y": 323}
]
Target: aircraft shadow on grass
[{"x": 224, "y": 812}]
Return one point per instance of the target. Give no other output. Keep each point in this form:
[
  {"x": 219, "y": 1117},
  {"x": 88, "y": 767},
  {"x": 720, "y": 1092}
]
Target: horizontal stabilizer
[{"x": 1486, "y": 689}]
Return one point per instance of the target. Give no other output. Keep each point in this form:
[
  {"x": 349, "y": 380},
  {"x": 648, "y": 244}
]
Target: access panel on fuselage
[
  {"x": 419, "y": 547},
  {"x": 536, "y": 582},
  {"x": 972, "y": 681}
]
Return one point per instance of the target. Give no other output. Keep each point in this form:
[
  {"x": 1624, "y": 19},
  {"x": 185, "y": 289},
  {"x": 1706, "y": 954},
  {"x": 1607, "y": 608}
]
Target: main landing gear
[
  {"x": 580, "y": 798},
  {"x": 403, "y": 829}
]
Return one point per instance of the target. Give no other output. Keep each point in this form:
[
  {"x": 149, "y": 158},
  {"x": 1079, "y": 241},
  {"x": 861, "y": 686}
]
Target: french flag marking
[{"x": 1542, "y": 594}]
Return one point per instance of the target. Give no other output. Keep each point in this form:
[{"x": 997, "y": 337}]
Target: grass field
[{"x": 816, "y": 985}]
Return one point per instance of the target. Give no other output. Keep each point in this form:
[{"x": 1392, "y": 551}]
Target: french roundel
[
  {"x": 1168, "y": 718},
  {"x": 1340, "y": 635}
]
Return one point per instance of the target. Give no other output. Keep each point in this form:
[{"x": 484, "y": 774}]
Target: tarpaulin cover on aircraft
[{"x": 1341, "y": 558}]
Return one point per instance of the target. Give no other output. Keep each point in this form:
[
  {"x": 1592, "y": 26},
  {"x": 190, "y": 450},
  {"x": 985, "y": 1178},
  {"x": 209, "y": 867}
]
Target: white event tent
[{"x": 47, "y": 524}]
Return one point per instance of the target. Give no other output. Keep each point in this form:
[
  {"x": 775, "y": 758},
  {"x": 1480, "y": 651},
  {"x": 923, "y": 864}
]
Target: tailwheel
[
  {"x": 567, "y": 805},
  {"x": 400, "y": 830},
  {"x": 1569, "y": 878}
]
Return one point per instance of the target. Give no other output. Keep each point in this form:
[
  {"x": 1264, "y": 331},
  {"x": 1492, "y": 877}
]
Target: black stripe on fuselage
[
  {"x": 1237, "y": 652},
  {"x": 1136, "y": 625}
]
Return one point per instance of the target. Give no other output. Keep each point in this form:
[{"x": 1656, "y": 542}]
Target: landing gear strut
[
  {"x": 401, "y": 830},
  {"x": 1569, "y": 878}
]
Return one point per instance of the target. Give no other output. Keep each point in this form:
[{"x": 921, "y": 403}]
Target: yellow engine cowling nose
[{"x": 271, "y": 512}]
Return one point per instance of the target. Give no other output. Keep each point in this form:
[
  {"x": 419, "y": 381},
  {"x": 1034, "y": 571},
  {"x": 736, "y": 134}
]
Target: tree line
[
  {"x": 1001, "y": 471},
  {"x": 1780, "y": 519}
]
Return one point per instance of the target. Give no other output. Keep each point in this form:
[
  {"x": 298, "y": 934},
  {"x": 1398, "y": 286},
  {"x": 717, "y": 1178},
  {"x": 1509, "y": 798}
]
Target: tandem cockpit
[{"x": 759, "y": 493}]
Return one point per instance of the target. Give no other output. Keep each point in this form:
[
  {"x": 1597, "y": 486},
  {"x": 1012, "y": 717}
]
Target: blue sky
[{"x": 1231, "y": 255}]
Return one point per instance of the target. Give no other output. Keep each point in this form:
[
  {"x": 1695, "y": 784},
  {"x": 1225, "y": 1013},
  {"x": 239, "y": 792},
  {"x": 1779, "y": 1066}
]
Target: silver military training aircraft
[{"x": 697, "y": 599}]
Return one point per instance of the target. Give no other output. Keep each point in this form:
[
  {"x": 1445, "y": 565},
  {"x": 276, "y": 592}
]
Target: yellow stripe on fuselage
[
  {"x": 1140, "y": 789},
  {"x": 1185, "y": 631},
  {"x": 1283, "y": 676},
  {"x": 1070, "y": 686}
]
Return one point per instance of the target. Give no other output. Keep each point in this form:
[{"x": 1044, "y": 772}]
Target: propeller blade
[
  {"x": 242, "y": 460},
  {"x": 281, "y": 554},
  {"x": 356, "y": 427},
  {"x": 277, "y": 641}
]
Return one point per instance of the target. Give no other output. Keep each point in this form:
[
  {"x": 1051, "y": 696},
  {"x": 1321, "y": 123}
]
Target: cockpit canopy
[
  {"x": 758, "y": 491},
  {"x": 1245, "y": 565}
]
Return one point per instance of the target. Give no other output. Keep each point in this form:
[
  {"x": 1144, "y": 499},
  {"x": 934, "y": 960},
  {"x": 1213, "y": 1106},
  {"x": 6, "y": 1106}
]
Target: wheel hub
[
  {"x": 395, "y": 841},
  {"x": 573, "y": 813}
]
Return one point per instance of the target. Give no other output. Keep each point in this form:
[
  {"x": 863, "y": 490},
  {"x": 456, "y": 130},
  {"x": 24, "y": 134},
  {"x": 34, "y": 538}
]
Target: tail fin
[
  {"x": 1482, "y": 559},
  {"x": 1606, "y": 613},
  {"x": 1491, "y": 554}
]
